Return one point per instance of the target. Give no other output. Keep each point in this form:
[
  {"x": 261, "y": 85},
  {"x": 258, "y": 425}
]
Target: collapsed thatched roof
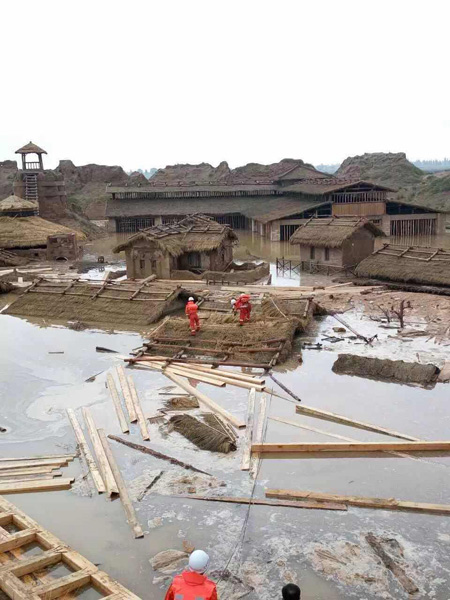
[
  {"x": 332, "y": 232},
  {"x": 195, "y": 233},
  {"x": 412, "y": 265},
  {"x": 29, "y": 232},
  {"x": 16, "y": 204},
  {"x": 30, "y": 148}
]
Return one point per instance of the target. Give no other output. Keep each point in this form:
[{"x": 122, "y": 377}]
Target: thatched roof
[
  {"x": 30, "y": 149},
  {"x": 411, "y": 265},
  {"x": 15, "y": 203},
  {"x": 268, "y": 209},
  {"x": 322, "y": 186},
  {"x": 195, "y": 233},
  {"x": 332, "y": 232},
  {"x": 29, "y": 232}
]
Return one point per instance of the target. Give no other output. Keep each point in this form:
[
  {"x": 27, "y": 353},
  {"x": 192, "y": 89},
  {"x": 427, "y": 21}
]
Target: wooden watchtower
[{"x": 31, "y": 169}]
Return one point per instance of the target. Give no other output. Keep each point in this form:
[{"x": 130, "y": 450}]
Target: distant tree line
[{"x": 147, "y": 173}]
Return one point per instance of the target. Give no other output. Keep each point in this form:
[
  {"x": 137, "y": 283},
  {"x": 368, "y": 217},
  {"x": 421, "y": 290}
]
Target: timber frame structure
[{"x": 22, "y": 577}]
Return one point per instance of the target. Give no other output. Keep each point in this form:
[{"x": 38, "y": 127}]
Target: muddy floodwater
[{"x": 264, "y": 547}]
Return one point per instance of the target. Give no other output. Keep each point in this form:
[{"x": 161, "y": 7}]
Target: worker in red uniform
[
  {"x": 244, "y": 307},
  {"x": 191, "y": 311},
  {"x": 193, "y": 584}
]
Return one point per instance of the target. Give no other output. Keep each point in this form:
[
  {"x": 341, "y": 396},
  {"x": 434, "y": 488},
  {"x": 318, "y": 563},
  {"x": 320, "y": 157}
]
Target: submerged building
[{"x": 272, "y": 200}]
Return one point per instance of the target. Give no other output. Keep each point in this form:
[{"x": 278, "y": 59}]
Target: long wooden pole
[
  {"x": 207, "y": 401},
  {"x": 102, "y": 461},
  {"x": 437, "y": 446},
  {"x": 260, "y": 501},
  {"x": 126, "y": 394},
  {"x": 246, "y": 453},
  {"x": 123, "y": 492},
  {"x": 98, "y": 481},
  {"x": 259, "y": 437},
  {"x": 360, "y": 501},
  {"x": 138, "y": 408},
  {"x": 117, "y": 404},
  {"x": 329, "y": 416}
]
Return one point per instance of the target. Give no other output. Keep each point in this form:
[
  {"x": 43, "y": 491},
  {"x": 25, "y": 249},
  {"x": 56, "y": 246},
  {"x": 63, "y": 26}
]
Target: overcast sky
[{"x": 149, "y": 83}]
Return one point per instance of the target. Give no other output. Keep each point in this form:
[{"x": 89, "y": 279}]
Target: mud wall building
[{"x": 272, "y": 200}]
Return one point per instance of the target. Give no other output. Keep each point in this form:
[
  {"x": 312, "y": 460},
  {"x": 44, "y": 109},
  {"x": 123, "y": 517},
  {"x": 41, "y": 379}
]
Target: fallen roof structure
[
  {"x": 133, "y": 304},
  {"x": 29, "y": 232},
  {"x": 408, "y": 264}
]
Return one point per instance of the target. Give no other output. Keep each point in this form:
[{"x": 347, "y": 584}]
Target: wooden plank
[
  {"x": 361, "y": 501},
  {"x": 41, "y": 477},
  {"x": 138, "y": 408},
  {"x": 28, "y": 565},
  {"x": 64, "y": 457},
  {"x": 247, "y": 442},
  {"x": 98, "y": 481},
  {"x": 436, "y": 446},
  {"x": 51, "y": 469},
  {"x": 16, "y": 589},
  {"x": 262, "y": 502},
  {"x": 328, "y": 416},
  {"x": 56, "y": 464},
  {"x": 117, "y": 404},
  {"x": 206, "y": 401},
  {"x": 102, "y": 461},
  {"x": 259, "y": 438},
  {"x": 15, "y": 540},
  {"x": 63, "y": 585},
  {"x": 186, "y": 373},
  {"x": 126, "y": 394},
  {"x": 124, "y": 497},
  {"x": 46, "y": 485}
]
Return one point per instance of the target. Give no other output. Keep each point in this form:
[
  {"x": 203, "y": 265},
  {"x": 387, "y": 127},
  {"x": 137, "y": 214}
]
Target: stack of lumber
[
  {"x": 131, "y": 402},
  {"x": 303, "y": 290},
  {"x": 34, "y": 474}
]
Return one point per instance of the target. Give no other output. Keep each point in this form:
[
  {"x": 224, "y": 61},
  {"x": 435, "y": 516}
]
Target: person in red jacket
[
  {"x": 193, "y": 584},
  {"x": 244, "y": 307},
  {"x": 191, "y": 311}
]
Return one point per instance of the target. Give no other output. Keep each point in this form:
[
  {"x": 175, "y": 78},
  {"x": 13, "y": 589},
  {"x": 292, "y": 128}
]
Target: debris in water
[
  {"x": 182, "y": 403},
  {"x": 203, "y": 435},
  {"x": 138, "y": 487},
  {"x": 77, "y": 325},
  {"x": 168, "y": 561}
]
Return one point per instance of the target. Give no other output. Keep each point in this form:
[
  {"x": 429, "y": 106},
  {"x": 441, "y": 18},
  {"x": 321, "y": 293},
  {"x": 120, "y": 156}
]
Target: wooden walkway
[{"x": 23, "y": 576}]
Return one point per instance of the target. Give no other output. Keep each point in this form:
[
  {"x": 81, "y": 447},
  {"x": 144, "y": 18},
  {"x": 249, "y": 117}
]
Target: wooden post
[{"x": 98, "y": 481}]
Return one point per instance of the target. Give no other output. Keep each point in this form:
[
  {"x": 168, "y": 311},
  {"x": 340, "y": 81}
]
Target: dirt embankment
[{"x": 392, "y": 170}]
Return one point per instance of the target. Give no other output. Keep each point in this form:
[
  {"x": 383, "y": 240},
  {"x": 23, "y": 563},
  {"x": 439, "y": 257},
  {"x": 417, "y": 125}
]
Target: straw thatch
[
  {"x": 29, "y": 232},
  {"x": 333, "y": 232},
  {"x": 426, "y": 266},
  {"x": 195, "y": 233},
  {"x": 207, "y": 436},
  {"x": 112, "y": 307},
  {"x": 15, "y": 204},
  {"x": 396, "y": 371},
  {"x": 30, "y": 148}
]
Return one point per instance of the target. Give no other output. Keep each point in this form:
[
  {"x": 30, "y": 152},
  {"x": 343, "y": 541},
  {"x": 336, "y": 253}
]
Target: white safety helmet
[
  {"x": 198, "y": 561},
  {"x": 191, "y": 299}
]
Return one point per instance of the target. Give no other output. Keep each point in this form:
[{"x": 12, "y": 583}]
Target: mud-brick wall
[{"x": 51, "y": 194}]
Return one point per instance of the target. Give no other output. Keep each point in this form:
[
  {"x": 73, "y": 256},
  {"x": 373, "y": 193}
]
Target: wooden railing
[{"x": 29, "y": 166}]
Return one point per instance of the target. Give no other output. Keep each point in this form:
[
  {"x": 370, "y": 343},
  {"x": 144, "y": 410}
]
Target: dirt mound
[
  {"x": 390, "y": 169},
  {"x": 396, "y": 371},
  {"x": 432, "y": 190}
]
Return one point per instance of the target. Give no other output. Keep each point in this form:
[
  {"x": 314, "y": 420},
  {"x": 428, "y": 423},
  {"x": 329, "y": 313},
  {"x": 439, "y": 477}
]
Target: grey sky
[{"x": 150, "y": 83}]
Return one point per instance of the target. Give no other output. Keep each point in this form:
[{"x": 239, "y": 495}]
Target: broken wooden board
[
  {"x": 82, "y": 443},
  {"x": 117, "y": 405},
  {"x": 352, "y": 447},
  {"x": 126, "y": 394},
  {"x": 14, "y": 580},
  {"x": 361, "y": 501}
]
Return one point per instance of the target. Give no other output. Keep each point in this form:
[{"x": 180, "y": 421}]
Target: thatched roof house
[
  {"x": 29, "y": 232},
  {"x": 415, "y": 264},
  {"x": 194, "y": 243},
  {"x": 337, "y": 241},
  {"x": 14, "y": 206}
]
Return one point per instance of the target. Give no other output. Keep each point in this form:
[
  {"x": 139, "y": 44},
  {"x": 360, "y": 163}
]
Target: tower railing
[{"x": 32, "y": 166}]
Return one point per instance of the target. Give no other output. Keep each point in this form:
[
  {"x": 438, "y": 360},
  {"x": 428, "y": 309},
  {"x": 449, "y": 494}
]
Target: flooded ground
[{"x": 324, "y": 551}]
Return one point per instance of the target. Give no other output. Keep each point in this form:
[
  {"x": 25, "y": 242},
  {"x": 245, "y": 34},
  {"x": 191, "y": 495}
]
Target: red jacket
[
  {"x": 191, "y": 308},
  {"x": 191, "y": 586},
  {"x": 243, "y": 302}
]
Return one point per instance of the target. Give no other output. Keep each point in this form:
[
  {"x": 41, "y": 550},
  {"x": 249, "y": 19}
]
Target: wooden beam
[
  {"x": 124, "y": 497},
  {"x": 28, "y": 565},
  {"x": 126, "y": 394},
  {"x": 64, "y": 457},
  {"x": 259, "y": 438},
  {"x": 15, "y": 540},
  {"x": 192, "y": 374},
  {"x": 30, "y": 472},
  {"x": 262, "y": 502},
  {"x": 46, "y": 485},
  {"x": 117, "y": 404},
  {"x": 438, "y": 446},
  {"x": 63, "y": 585},
  {"x": 328, "y": 416},
  {"x": 16, "y": 589},
  {"x": 102, "y": 461},
  {"x": 138, "y": 408},
  {"x": 98, "y": 481},
  {"x": 6, "y": 467},
  {"x": 360, "y": 501},
  {"x": 207, "y": 401},
  {"x": 246, "y": 451}
]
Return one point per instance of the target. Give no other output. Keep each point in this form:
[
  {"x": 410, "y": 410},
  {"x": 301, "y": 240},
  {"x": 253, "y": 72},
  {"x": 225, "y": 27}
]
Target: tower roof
[{"x": 30, "y": 148}]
